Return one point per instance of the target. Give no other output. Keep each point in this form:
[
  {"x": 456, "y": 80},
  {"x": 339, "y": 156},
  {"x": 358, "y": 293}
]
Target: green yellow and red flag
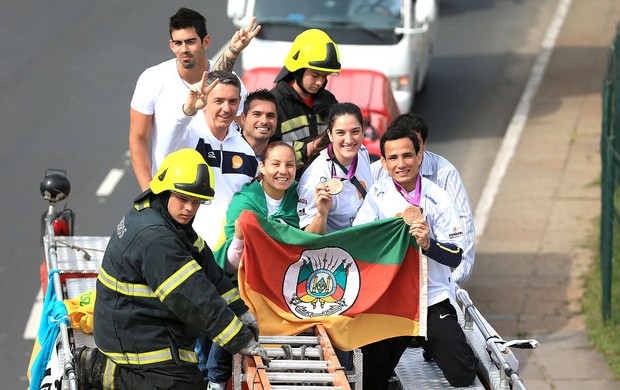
[{"x": 364, "y": 284}]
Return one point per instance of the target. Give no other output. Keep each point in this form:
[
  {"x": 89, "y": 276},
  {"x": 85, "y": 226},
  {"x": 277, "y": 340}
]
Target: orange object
[
  {"x": 256, "y": 372},
  {"x": 44, "y": 277}
]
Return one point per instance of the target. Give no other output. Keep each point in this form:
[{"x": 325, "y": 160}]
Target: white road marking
[
  {"x": 519, "y": 118},
  {"x": 109, "y": 183},
  {"x": 32, "y": 326}
]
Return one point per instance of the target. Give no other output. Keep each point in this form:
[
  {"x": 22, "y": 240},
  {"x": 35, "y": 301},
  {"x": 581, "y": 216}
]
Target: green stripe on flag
[{"x": 392, "y": 232}]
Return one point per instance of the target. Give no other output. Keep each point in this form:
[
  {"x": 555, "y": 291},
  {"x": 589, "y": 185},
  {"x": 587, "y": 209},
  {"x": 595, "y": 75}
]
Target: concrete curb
[{"x": 531, "y": 259}]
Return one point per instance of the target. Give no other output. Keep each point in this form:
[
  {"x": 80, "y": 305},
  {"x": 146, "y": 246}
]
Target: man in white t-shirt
[
  {"x": 161, "y": 89},
  {"x": 441, "y": 172},
  {"x": 439, "y": 234}
]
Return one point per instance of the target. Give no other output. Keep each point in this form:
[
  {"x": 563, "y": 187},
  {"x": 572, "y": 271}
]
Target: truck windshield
[{"x": 346, "y": 21}]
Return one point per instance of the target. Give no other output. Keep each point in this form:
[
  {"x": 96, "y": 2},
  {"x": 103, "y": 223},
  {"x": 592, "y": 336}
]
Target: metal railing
[
  {"x": 65, "y": 357},
  {"x": 610, "y": 176},
  {"x": 495, "y": 345}
]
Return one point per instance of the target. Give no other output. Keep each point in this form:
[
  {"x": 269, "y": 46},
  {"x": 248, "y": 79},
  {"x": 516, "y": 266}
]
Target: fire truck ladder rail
[{"x": 297, "y": 361}]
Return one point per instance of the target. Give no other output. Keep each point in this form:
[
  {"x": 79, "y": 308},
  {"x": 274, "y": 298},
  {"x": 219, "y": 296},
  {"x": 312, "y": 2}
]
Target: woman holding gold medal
[
  {"x": 339, "y": 167},
  {"x": 342, "y": 165}
]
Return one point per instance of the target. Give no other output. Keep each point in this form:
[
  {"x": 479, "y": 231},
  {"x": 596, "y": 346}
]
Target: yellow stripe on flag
[{"x": 345, "y": 333}]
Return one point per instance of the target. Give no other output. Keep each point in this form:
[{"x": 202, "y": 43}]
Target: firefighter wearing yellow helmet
[
  {"x": 159, "y": 288},
  {"x": 185, "y": 172},
  {"x": 302, "y": 100}
]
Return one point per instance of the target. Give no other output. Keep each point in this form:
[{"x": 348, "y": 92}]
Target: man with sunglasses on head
[
  {"x": 213, "y": 102},
  {"x": 159, "y": 288}
]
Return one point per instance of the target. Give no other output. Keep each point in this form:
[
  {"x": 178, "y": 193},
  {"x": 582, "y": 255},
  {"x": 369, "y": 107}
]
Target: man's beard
[{"x": 188, "y": 64}]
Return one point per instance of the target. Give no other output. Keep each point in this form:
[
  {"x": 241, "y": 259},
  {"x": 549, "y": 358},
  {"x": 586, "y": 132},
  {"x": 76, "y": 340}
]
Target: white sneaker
[{"x": 216, "y": 386}]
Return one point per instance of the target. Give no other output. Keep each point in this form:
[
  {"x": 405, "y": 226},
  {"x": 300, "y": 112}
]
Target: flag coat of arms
[{"x": 364, "y": 284}]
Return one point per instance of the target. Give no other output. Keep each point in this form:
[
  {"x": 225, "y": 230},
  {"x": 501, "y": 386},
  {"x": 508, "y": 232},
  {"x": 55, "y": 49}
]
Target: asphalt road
[{"x": 68, "y": 70}]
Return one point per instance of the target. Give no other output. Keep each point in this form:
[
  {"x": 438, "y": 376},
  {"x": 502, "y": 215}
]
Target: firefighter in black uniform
[
  {"x": 303, "y": 102},
  {"x": 159, "y": 288}
]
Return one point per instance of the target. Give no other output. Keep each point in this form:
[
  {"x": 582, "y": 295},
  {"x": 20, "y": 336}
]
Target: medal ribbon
[
  {"x": 350, "y": 173},
  {"x": 415, "y": 199}
]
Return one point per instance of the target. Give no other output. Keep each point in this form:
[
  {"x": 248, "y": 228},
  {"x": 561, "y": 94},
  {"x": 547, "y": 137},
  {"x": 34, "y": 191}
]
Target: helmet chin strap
[
  {"x": 298, "y": 75},
  {"x": 299, "y": 79},
  {"x": 164, "y": 197}
]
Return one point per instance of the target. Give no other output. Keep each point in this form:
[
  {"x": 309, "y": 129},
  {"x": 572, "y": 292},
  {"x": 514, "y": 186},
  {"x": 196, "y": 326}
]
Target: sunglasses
[{"x": 192, "y": 200}]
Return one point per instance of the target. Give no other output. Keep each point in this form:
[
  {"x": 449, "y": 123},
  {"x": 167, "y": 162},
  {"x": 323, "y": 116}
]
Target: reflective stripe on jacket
[
  {"x": 159, "y": 288},
  {"x": 299, "y": 124}
]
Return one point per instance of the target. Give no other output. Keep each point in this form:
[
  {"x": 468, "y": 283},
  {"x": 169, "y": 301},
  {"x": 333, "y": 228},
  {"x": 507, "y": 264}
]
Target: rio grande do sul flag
[{"x": 364, "y": 283}]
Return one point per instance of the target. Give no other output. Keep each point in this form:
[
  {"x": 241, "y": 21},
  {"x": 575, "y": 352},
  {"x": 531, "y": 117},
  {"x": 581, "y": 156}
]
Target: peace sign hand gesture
[
  {"x": 242, "y": 38},
  {"x": 198, "y": 94}
]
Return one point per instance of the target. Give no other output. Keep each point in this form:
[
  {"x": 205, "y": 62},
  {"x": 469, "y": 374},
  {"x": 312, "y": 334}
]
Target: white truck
[{"x": 394, "y": 37}]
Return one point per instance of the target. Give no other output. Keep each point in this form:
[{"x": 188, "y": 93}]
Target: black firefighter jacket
[
  {"x": 159, "y": 288},
  {"x": 299, "y": 124}
]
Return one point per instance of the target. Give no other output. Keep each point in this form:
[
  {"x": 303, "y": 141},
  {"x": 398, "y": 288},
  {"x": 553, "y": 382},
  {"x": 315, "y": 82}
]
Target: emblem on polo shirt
[
  {"x": 456, "y": 232},
  {"x": 237, "y": 162}
]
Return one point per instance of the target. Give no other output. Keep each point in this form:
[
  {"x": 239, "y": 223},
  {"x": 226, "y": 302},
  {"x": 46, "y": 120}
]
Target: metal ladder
[{"x": 304, "y": 360}]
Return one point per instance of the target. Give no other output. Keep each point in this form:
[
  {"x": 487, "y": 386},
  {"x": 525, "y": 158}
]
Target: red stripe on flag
[{"x": 388, "y": 289}]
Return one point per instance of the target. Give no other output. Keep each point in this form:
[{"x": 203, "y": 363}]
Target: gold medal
[
  {"x": 411, "y": 214},
  {"x": 334, "y": 186}
]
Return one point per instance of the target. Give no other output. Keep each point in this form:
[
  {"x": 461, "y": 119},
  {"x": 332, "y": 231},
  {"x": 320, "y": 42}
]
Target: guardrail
[
  {"x": 494, "y": 344},
  {"x": 610, "y": 177},
  {"x": 66, "y": 361}
]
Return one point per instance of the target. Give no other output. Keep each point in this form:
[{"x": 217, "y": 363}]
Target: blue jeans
[{"x": 214, "y": 362}]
